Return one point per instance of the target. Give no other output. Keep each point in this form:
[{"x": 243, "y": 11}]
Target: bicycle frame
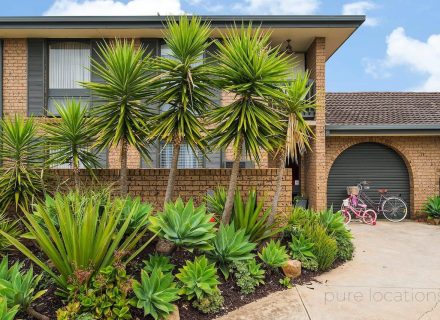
[{"x": 377, "y": 206}]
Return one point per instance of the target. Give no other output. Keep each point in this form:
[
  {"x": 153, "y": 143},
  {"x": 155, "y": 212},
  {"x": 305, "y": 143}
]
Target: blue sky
[{"x": 398, "y": 49}]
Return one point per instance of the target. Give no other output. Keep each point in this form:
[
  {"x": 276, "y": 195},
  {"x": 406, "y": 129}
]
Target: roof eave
[{"x": 383, "y": 130}]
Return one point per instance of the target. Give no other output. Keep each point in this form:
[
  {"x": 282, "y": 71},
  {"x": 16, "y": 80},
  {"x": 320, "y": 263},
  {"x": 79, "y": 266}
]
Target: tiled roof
[{"x": 383, "y": 108}]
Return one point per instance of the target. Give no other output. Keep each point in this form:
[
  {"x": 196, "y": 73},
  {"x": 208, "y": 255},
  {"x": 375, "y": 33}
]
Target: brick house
[{"x": 43, "y": 58}]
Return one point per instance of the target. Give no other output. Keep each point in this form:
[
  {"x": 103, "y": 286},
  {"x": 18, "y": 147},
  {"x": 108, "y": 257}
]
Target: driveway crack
[{"x": 429, "y": 311}]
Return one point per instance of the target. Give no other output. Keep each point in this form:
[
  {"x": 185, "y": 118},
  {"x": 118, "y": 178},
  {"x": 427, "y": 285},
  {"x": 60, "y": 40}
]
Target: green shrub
[
  {"x": 105, "y": 295},
  {"x": 432, "y": 207},
  {"x": 251, "y": 217},
  {"x": 140, "y": 217},
  {"x": 5, "y": 312},
  {"x": 155, "y": 293},
  {"x": 230, "y": 245},
  {"x": 198, "y": 278},
  {"x": 301, "y": 249},
  {"x": 248, "y": 275},
  {"x": 19, "y": 288},
  {"x": 345, "y": 248},
  {"x": 184, "y": 225},
  {"x": 10, "y": 227},
  {"x": 211, "y": 303},
  {"x": 274, "y": 255},
  {"x": 216, "y": 201},
  {"x": 325, "y": 247},
  {"x": 160, "y": 262},
  {"x": 286, "y": 282},
  {"x": 88, "y": 234}
]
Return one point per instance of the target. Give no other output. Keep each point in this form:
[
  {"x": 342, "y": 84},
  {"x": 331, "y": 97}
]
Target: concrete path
[{"x": 395, "y": 275}]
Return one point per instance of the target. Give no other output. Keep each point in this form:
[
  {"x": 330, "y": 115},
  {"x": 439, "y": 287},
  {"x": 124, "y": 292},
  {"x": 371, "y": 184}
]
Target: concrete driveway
[{"x": 395, "y": 275}]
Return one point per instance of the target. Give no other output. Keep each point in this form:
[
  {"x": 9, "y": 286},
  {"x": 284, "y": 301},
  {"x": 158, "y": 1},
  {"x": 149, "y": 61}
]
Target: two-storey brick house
[{"x": 44, "y": 58}]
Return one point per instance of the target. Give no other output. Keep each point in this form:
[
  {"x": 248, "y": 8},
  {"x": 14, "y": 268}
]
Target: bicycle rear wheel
[
  {"x": 347, "y": 216},
  {"x": 394, "y": 209}
]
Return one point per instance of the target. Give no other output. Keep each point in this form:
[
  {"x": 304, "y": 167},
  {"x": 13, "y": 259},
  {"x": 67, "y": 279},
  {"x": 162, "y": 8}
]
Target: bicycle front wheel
[{"x": 394, "y": 209}]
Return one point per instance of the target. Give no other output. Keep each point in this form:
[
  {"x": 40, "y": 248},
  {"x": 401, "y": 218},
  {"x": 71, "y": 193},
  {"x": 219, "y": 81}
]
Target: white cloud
[
  {"x": 420, "y": 57},
  {"x": 278, "y": 6},
  {"x": 113, "y": 7},
  {"x": 361, "y": 7}
]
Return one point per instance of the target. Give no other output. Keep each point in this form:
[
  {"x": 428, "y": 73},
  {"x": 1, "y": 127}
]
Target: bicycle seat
[
  {"x": 382, "y": 191},
  {"x": 362, "y": 205}
]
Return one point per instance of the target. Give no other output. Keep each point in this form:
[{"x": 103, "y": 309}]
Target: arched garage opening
[{"x": 378, "y": 164}]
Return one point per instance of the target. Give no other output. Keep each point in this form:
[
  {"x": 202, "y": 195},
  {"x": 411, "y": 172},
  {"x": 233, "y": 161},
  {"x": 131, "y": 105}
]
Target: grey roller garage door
[{"x": 375, "y": 163}]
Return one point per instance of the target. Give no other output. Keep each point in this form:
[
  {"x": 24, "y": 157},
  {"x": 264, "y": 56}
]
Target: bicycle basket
[
  {"x": 352, "y": 190},
  {"x": 346, "y": 202}
]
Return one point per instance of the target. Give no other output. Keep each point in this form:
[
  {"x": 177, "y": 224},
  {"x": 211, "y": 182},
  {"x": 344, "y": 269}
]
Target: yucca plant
[
  {"x": 295, "y": 138},
  {"x": 71, "y": 138},
  {"x": 19, "y": 287},
  {"x": 10, "y": 227},
  {"x": 120, "y": 113},
  {"x": 250, "y": 70},
  {"x": 159, "y": 262},
  {"x": 87, "y": 236},
  {"x": 274, "y": 255},
  {"x": 184, "y": 225},
  {"x": 5, "y": 312},
  {"x": 21, "y": 156},
  {"x": 198, "y": 278},
  {"x": 184, "y": 86},
  {"x": 432, "y": 207},
  {"x": 230, "y": 245},
  {"x": 155, "y": 293},
  {"x": 215, "y": 201},
  {"x": 251, "y": 217},
  {"x": 140, "y": 217}
]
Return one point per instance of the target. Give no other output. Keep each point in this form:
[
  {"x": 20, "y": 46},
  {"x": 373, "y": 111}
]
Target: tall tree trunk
[
  {"x": 173, "y": 171},
  {"x": 276, "y": 198},
  {"x": 76, "y": 173},
  {"x": 232, "y": 184},
  {"x": 123, "y": 176}
]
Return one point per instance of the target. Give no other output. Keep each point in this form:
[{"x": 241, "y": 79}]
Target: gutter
[
  {"x": 383, "y": 130},
  {"x": 129, "y": 22}
]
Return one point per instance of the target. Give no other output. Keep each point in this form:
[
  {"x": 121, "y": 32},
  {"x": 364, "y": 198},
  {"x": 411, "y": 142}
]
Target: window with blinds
[{"x": 69, "y": 64}]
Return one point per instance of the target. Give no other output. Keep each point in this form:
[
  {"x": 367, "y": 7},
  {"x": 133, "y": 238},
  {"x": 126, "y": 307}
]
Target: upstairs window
[{"x": 69, "y": 64}]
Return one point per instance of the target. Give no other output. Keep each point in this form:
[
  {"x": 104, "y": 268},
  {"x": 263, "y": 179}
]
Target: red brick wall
[
  {"x": 150, "y": 184},
  {"x": 420, "y": 154}
]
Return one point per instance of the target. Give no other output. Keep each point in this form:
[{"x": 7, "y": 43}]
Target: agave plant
[
  {"x": 230, "y": 245},
  {"x": 159, "y": 262},
  {"x": 432, "y": 207},
  {"x": 301, "y": 249},
  {"x": 71, "y": 138},
  {"x": 87, "y": 235},
  {"x": 198, "y": 278},
  {"x": 22, "y": 163},
  {"x": 5, "y": 312},
  {"x": 251, "y": 217},
  {"x": 155, "y": 293},
  {"x": 18, "y": 287},
  {"x": 274, "y": 255},
  {"x": 184, "y": 225},
  {"x": 251, "y": 70}
]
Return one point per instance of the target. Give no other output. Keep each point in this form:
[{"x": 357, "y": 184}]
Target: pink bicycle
[{"x": 353, "y": 207}]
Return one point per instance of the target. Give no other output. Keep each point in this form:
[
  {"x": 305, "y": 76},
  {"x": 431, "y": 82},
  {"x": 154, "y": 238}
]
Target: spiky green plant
[
  {"x": 230, "y": 245},
  {"x": 70, "y": 139},
  {"x": 215, "y": 202},
  {"x": 21, "y": 156},
  {"x": 301, "y": 249},
  {"x": 5, "y": 312},
  {"x": 10, "y": 227},
  {"x": 120, "y": 112},
  {"x": 184, "y": 85},
  {"x": 432, "y": 207},
  {"x": 157, "y": 261},
  {"x": 86, "y": 238},
  {"x": 155, "y": 293},
  {"x": 251, "y": 70},
  {"x": 198, "y": 278},
  {"x": 274, "y": 255},
  {"x": 296, "y": 136},
  {"x": 184, "y": 225}
]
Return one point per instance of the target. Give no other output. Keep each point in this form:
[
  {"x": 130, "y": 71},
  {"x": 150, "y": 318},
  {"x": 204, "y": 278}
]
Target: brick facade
[
  {"x": 150, "y": 184},
  {"x": 420, "y": 154},
  {"x": 313, "y": 165}
]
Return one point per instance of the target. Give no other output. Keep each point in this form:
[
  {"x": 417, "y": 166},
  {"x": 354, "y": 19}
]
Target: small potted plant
[
  {"x": 300, "y": 201},
  {"x": 432, "y": 208}
]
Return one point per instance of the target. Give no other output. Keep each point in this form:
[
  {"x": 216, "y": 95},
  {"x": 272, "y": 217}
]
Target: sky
[{"x": 397, "y": 48}]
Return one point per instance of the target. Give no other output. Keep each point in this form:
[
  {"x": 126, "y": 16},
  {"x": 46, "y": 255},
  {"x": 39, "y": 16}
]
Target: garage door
[{"x": 381, "y": 166}]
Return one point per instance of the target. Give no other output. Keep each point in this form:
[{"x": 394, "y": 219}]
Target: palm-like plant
[
  {"x": 294, "y": 140},
  {"x": 121, "y": 116},
  {"x": 70, "y": 139},
  {"x": 251, "y": 70},
  {"x": 184, "y": 86},
  {"x": 22, "y": 157}
]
